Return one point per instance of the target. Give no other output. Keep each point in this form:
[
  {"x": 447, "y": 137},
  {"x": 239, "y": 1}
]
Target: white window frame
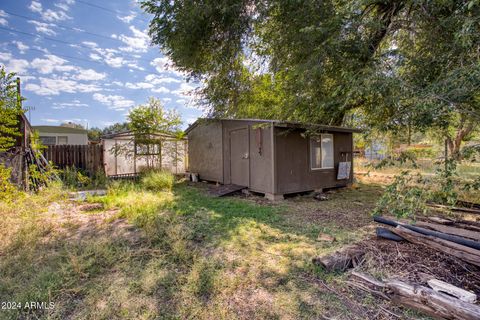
[{"x": 321, "y": 151}]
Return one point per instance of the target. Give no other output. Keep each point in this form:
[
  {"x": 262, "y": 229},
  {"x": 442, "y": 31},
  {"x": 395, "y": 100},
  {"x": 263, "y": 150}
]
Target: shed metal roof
[{"x": 279, "y": 123}]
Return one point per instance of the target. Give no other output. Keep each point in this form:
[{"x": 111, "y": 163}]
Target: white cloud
[
  {"x": 35, "y": 6},
  {"x": 155, "y": 79},
  {"x": 161, "y": 90},
  {"x": 90, "y": 44},
  {"x": 128, "y": 18},
  {"x": 184, "y": 90},
  {"x": 114, "y": 101},
  {"x": 89, "y": 75},
  {"x": 139, "y": 85},
  {"x": 166, "y": 65},
  {"x": 50, "y": 64},
  {"x": 21, "y": 46},
  {"x": 3, "y": 16},
  {"x": 181, "y": 101},
  {"x": 137, "y": 43},
  {"x": 41, "y": 27},
  {"x": 19, "y": 66},
  {"x": 49, "y": 86},
  {"x": 49, "y": 14},
  {"x": 73, "y": 104}
]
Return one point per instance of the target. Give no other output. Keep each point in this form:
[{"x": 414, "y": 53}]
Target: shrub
[
  {"x": 7, "y": 189},
  {"x": 158, "y": 180}
]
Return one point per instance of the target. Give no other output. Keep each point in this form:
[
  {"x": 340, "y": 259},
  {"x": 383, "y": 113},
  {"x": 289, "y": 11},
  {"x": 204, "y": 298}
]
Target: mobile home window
[
  {"x": 47, "y": 141},
  {"x": 62, "y": 140},
  {"x": 321, "y": 152}
]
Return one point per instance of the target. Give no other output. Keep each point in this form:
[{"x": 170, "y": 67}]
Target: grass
[{"x": 187, "y": 255}]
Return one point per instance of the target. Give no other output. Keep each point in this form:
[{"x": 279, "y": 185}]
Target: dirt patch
[{"x": 76, "y": 222}]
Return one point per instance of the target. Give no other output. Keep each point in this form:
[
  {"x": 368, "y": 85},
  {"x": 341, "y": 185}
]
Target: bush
[
  {"x": 7, "y": 189},
  {"x": 158, "y": 180}
]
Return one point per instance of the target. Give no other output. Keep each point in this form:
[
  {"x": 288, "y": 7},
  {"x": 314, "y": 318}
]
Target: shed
[
  {"x": 271, "y": 157},
  {"x": 124, "y": 156},
  {"x": 59, "y": 135}
]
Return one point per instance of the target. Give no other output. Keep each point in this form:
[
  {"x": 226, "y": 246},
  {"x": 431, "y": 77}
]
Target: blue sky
[{"x": 87, "y": 61}]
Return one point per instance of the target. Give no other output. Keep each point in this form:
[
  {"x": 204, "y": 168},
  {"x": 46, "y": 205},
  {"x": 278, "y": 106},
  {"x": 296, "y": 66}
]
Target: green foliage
[
  {"x": 10, "y": 110},
  {"x": 7, "y": 189},
  {"x": 152, "y": 118},
  {"x": 75, "y": 178},
  {"x": 94, "y": 134},
  {"x": 158, "y": 180},
  {"x": 446, "y": 174},
  {"x": 405, "y": 197},
  {"x": 402, "y": 64}
]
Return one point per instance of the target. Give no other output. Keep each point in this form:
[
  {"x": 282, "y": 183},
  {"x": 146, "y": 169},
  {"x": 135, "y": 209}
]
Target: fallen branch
[{"x": 458, "y": 209}]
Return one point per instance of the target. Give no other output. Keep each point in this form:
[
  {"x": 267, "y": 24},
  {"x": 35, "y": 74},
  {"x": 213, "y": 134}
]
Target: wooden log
[
  {"x": 387, "y": 234},
  {"x": 451, "y": 230},
  {"x": 340, "y": 260},
  {"x": 432, "y": 303},
  {"x": 452, "y": 238},
  {"x": 452, "y": 290},
  {"x": 436, "y": 304},
  {"x": 457, "y": 250}
]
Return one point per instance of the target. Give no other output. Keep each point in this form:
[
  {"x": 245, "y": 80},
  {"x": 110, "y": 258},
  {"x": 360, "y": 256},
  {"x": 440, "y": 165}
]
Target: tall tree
[
  {"x": 10, "y": 110},
  {"x": 404, "y": 63}
]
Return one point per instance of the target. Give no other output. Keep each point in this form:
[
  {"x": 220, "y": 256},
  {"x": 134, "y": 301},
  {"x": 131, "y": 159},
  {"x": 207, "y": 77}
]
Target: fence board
[{"x": 86, "y": 157}]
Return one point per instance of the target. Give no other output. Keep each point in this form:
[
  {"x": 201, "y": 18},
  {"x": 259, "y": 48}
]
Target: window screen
[
  {"x": 62, "y": 140},
  {"x": 47, "y": 141},
  {"x": 321, "y": 152}
]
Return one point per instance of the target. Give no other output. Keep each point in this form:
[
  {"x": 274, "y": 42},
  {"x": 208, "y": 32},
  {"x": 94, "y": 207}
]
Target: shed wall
[
  {"x": 260, "y": 173},
  {"x": 293, "y": 173},
  {"x": 205, "y": 152}
]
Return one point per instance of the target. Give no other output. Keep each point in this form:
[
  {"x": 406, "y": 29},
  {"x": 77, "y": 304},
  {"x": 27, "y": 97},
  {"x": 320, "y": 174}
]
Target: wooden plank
[
  {"x": 450, "y": 230},
  {"x": 457, "y": 250},
  {"x": 452, "y": 290}
]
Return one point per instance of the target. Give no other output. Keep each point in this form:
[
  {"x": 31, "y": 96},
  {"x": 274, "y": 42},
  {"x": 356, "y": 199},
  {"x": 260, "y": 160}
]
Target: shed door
[{"x": 239, "y": 157}]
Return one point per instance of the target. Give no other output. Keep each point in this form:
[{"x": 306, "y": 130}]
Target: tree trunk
[{"x": 463, "y": 130}]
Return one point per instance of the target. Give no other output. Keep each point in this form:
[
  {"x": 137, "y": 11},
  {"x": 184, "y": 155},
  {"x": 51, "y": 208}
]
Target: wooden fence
[{"x": 86, "y": 157}]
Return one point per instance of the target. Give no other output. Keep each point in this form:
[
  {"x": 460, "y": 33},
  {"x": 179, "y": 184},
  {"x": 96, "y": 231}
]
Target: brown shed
[{"x": 270, "y": 157}]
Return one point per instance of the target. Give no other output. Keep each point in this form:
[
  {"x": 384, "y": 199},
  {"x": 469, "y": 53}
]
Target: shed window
[
  {"x": 147, "y": 149},
  {"x": 62, "y": 140},
  {"x": 47, "y": 141},
  {"x": 321, "y": 152}
]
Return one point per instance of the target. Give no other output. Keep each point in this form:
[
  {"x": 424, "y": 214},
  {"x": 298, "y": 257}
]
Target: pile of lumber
[{"x": 460, "y": 239}]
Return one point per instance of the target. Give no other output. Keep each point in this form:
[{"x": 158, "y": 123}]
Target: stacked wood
[
  {"x": 341, "y": 260},
  {"x": 461, "y": 232},
  {"x": 429, "y": 301},
  {"x": 441, "y": 235},
  {"x": 457, "y": 250},
  {"x": 450, "y": 239}
]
